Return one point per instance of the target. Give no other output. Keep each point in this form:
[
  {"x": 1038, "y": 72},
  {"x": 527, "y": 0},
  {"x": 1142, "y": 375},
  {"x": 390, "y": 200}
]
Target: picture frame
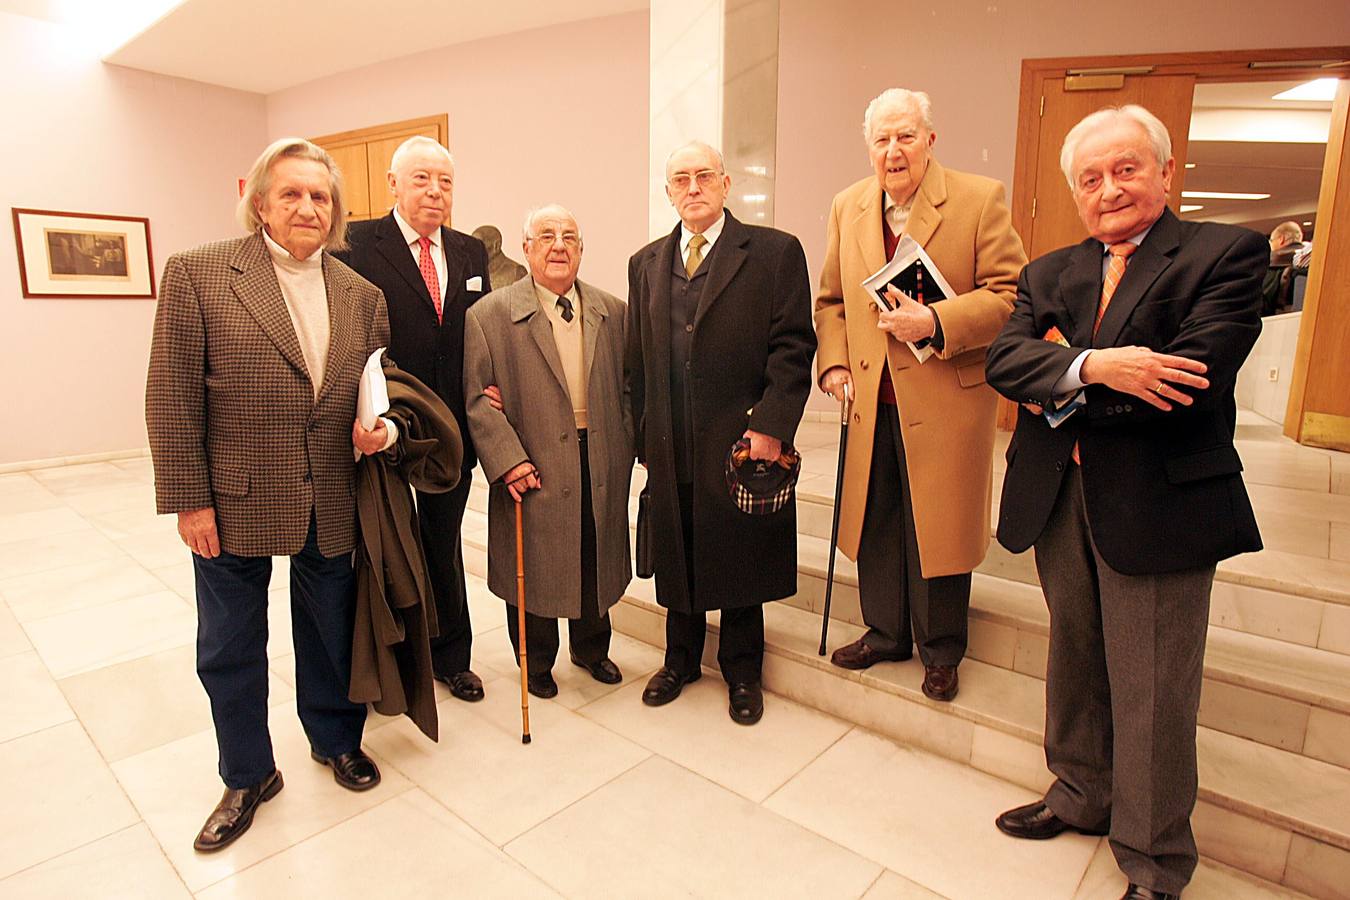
[{"x": 64, "y": 255}]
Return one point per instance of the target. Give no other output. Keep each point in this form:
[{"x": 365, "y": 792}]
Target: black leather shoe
[
  {"x": 1037, "y": 822},
  {"x": 354, "y": 770},
  {"x": 858, "y": 655},
  {"x": 666, "y": 685},
  {"x": 543, "y": 686},
  {"x": 464, "y": 685},
  {"x": 747, "y": 703},
  {"x": 234, "y": 813},
  {"x": 603, "y": 671},
  {"x": 940, "y": 683},
  {"x": 1137, "y": 892}
]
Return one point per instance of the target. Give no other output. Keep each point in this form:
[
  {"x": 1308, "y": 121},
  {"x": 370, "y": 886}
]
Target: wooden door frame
[
  {"x": 1207, "y": 66},
  {"x": 375, "y": 132}
]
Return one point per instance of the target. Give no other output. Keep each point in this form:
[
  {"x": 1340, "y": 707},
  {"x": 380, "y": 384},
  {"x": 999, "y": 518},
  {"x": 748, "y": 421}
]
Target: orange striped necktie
[{"x": 1115, "y": 270}]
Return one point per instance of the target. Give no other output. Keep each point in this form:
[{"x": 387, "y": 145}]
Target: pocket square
[{"x": 474, "y": 284}]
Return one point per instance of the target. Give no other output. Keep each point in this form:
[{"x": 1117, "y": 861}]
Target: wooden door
[
  {"x": 378, "y": 155},
  {"x": 351, "y": 160},
  {"x": 1054, "y": 220}
]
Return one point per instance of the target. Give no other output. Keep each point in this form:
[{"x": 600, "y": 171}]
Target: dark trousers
[
  {"x": 1122, "y": 692},
  {"x": 740, "y": 647},
  {"x": 894, "y": 594},
  {"x": 440, "y": 517},
  {"x": 232, "y": 655},
  {"x": 587, "y": 636}
]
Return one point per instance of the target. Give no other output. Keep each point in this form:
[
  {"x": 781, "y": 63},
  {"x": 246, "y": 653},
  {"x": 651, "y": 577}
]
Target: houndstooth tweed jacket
[{"x": 232, "y": 414}]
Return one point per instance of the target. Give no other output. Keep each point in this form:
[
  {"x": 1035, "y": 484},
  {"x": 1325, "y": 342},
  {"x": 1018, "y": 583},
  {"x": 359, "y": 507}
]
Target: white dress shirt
[
  {"x": 414, "y": 245},
  {"x": 710, "y": 234}
]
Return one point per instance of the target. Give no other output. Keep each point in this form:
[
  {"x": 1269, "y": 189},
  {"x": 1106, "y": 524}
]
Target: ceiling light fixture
[
  {"x": 1190, "y": 165},
  {"x": 1317, "y": 89},
  {"x": 1191, "y": 207},
  {"x": 1222, "y": 195}
]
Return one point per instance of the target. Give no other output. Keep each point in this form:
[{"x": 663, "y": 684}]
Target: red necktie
[
  {"x": 1115, "y": 270},
  {"x": 428, "y": 269}
]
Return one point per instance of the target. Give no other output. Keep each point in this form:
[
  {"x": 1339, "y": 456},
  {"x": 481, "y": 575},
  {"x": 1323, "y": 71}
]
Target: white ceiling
[
  {"x": 266, "y": 46},
  {"x": 1254, "y": 95}
]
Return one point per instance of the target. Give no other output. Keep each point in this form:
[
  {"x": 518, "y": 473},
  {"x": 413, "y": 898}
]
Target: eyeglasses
[
  {"x": 681, "y": 181},
  {"x": 570, "y": 239}
]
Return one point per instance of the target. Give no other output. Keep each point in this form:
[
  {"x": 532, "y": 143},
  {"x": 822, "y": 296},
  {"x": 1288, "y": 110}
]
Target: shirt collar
[
  {"x": 410, "y": 236},
  {"x": 889, "y": 204},
  {"x": 282, "y": 255},
  {"x": 547, "y": 298},
  {"x": 1136, "y": 240},
  {"x": 710, "y": 234}
]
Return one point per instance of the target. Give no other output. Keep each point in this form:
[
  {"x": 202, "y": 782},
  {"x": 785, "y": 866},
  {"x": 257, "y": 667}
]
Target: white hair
[
  {"x": 701, "y": 145},
  {"x": 1158, "y": 137},
  {"x": 259, "y": 181},
  {"x": 898, "y": 97},
  {"x": 414, "y": 143},
  {"x": 556, "y": 210}
]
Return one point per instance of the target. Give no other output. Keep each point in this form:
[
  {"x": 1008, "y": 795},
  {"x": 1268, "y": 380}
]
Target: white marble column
[{"x": 714, "y": 78}]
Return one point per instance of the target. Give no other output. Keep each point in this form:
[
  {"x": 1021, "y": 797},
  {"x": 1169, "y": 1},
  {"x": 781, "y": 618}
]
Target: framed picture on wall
[{"x": 70, "y": 254}]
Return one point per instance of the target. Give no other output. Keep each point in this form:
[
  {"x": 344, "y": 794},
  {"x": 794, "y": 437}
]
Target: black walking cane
[
  {"x": 846, "y": 408},
  {"x": 520, "y": 612}
]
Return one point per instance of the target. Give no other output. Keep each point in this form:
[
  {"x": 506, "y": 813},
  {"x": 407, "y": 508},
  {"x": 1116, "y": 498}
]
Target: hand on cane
[
  {"x": 837, "y": 382},
  {"x": 523, "y": 477}
]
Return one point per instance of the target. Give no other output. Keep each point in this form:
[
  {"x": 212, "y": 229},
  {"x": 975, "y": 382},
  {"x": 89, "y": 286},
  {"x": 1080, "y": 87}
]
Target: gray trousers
[
  {"x": 894, "y": 594},
  {"x": 1122, "y": 691}
]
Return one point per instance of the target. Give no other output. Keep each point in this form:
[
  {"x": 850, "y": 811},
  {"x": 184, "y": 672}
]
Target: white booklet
[
  {"x": 372, "y": 400},
  {"x": 911, "y": 271}
]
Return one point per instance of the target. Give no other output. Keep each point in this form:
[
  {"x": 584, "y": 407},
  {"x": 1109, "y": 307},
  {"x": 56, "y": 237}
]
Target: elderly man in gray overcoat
[{"x": 543, "y": 382}]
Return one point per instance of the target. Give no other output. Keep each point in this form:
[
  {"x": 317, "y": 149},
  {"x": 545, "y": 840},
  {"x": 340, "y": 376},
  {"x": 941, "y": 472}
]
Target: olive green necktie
[{"x": 695, "y": 254}]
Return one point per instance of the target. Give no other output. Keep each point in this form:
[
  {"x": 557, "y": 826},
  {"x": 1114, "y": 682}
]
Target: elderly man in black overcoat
[{"x": 719, "y": 347}]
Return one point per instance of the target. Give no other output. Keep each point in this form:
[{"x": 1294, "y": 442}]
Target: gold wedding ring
[{"x": 1159, "y": 388}]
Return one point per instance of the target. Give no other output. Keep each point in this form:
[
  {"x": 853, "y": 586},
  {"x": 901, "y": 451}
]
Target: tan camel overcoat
[{"x": 946, "y": 410}]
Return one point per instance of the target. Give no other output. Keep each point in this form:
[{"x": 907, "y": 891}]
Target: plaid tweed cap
[{"x": 761, "y": 487}]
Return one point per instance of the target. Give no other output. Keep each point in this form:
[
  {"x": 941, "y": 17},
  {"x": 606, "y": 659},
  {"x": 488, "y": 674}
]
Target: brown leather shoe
[
  {"x": 940, "y": 682},
  {"x": 234, "y": 813},
  {"x": 858, "y": 655}
]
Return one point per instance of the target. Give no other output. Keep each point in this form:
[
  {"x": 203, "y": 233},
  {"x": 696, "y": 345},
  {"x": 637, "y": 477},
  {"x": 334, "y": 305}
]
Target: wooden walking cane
[
  {"x": 520, "y": 618},
  {"x": 846, "y": 408}
]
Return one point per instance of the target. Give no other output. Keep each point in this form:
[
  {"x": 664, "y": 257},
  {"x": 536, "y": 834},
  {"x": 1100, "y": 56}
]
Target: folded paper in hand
[
  {"x": 373, "y": 399},
  {"x": 912, "y": 272}
]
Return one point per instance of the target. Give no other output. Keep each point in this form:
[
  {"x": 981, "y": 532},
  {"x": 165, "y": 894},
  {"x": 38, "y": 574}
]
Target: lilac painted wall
[
  {"x": 87, "y": 137},
  {"x": 557, "y": 114},
  {"x": 967, "y": 54}
]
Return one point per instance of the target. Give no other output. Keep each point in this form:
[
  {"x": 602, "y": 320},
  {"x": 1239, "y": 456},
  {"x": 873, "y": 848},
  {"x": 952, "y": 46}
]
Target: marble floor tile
[
  {"x": 31, "y": 497},
  {"x": 140, "y": 704},
  {"x": 127, "y": 865},
  {"x": 96, "y": 636},
  {"x": 60, "y": 795},
  {"x": 86, "y": 478},
  {"x": 891, "y": 886},
  {"x": 659, "y": 830},
  {"x": 1340, "y": 541},
  {"x": 155, "y": 549},
  {"x": 18, "y": 526},
  {"x": 120, "y": 524},
  {"x": 408, "y": 846},
  {"x": 927, "y": 818},
  {"x": 77, "y": 587},
  {"x": 1311, "y": 504},
  {"x": 1294, "y": 533},
  {"x": 12, "y": 637},
  {"x": 140, "y": 467},
  {"x": 30, "y": 700},
  {"x": 42, "y": 554},
  {"x": 696, "y": 732},
  {"x": 1212, "y": 881},
  {"x": 483, "y": 773},
  {"x": 175, "y": 787},
  {"x": 179, "y": 578}
]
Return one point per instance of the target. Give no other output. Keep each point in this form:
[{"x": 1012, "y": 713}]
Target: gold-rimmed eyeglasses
[
  {"x": 570, "y": 239},
  {"x": 681, "y": 181}
]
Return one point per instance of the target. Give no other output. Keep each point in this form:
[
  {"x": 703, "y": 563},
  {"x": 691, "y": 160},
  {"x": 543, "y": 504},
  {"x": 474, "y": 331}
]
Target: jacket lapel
[
  {"x": 525, "y": 308},
  {"x": 1080, "y": 289},
  {"x": 592, "y": 319},
  {"x": 727, "y": 260},
  {"x": 659, "y": 266},
  {"x": 389, "y": 241},
  {"x": 455, "y": 264},
  {"x": 255, "y": 284},
  {"x": 867, "y": 226},
  {"x": 1146, "y": 264},
  {"x": 924, "y": 217},
  {"x": 342, "y": 325}
]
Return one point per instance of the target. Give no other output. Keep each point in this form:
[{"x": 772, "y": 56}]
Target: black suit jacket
[
  {"x": 749, "y": 367},
  {"x": 1163, "y": 490},
  {"x": 432, "y": 352}
]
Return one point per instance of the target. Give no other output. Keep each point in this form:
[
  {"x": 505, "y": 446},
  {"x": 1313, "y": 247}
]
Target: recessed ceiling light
[
  {"x": 1307, "y": 223},
  {"x": 1191, "y": 207},
  {"x": 1317, "y": 89},
  {"x": 1222, "y": 195},
  {"x": 1190, "y": 165}
]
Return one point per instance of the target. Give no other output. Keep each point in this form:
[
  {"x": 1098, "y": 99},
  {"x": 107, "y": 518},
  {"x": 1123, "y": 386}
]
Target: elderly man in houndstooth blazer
[{"x": 257, "y": 354}]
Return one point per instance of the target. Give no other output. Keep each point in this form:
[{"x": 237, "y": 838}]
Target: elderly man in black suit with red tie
[
  {"x": 430, "y": 275},
  {"x": 1123, "y": 351}
]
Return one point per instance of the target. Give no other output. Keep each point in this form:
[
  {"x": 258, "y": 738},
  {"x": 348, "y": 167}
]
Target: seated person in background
[{"x": 1285, "y": 241}]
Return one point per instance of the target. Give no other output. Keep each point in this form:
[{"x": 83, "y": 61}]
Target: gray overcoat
[{"x": 508, "y": 341}]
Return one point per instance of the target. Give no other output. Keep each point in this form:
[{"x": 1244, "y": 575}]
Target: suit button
[
  {"x": 309, "y": 477},
  {"x": 563, "y": 437},
  {"x": 865, "y": 365},
  {"x": 1110, "y": 410},
  {"x": 1129, "y": 408},
  {"x": 1059, "y": 467},
  {"x": 688, "y": 329},
  {"x": 567, "y": 492},
  {"x": 857, "y": 417}
]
